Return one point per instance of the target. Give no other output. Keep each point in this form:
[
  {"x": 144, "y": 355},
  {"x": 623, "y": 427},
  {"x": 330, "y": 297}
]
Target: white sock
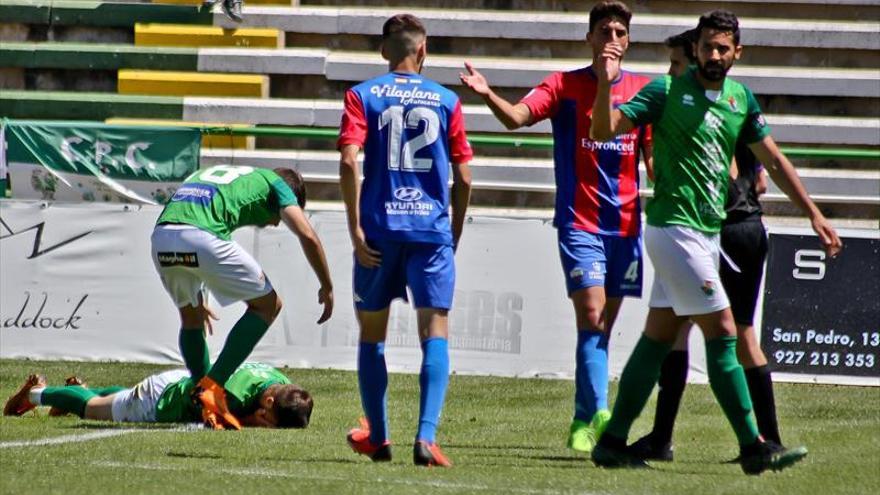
[{"x": 35, "y": 396}]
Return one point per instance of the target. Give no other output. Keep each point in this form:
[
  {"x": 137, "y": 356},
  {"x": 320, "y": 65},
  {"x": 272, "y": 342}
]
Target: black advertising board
[{"x": 821, "y": 316}]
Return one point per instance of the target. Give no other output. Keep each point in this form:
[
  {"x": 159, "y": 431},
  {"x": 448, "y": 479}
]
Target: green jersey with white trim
[
  {"x": 695, "y": 135},
  {"x": 243, "y": 391},
  {"x": 223, "y": 198}
]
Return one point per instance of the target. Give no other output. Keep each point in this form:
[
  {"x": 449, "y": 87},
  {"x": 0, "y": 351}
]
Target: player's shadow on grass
[{"x": 193, "y": 455}]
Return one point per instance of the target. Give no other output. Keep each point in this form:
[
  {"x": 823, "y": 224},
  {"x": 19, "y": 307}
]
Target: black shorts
[{"x": 746, "y": 244}]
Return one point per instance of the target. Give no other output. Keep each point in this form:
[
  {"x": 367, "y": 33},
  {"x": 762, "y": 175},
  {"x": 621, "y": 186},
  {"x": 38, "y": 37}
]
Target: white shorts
[
  {"x": 189, "y": 259},
  {"x": 138, "y": 404},
  {"x": 686, "y": 263}
]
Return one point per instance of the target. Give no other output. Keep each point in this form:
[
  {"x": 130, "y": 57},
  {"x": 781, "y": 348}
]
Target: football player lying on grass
[{"x": 259, "y": 395}]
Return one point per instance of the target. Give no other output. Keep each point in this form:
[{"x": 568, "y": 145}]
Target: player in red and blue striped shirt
[{"x": 597, "y": 206}]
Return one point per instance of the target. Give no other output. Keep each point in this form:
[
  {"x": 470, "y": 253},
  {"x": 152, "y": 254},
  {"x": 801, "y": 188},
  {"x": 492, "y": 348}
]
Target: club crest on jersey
[
  {"x": 732, "y": 102},
  {"x": 708, "y": 288},
  {"x": 407, "y": 194}
]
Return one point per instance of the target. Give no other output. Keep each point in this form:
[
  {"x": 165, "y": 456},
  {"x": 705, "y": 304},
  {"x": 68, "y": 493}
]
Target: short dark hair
[
  {"x": 293, "y": 179},
  {"x": 609, "y": 8},
  {"x": 293, "y": 406},
  {"x": 401, "y": 35},
  {"x": 724, "y": 21},
  {"x": 684, "y": 40}
]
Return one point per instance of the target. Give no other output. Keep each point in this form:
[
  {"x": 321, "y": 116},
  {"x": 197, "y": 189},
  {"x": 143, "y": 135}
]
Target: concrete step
[
  {"x": 648, "y": 28},
  {"x": 219, "y": 140},
  {"x": 98, "y": 14},
  {"x": 811, "y": 130},
  {"x": 516, "y": 174},
  {"x": 357, "y": 66},
  {"x": 174, "y": 83},
  {"x": 182, "y": 35},
  {"x": 785, "y": 9}
]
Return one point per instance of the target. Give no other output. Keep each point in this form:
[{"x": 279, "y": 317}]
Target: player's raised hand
[
  {"x": 474, "y": 80},
  {"x": 608, "y": 67},
  {"x": 325, "y": 297},
  {"x": 828, "y": 236}
]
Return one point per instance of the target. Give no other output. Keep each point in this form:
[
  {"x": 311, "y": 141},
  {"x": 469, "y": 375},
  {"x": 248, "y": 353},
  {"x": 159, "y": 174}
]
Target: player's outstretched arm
[
  {"x": 785, "y": 176},
  {"x": 512, "y": 116},
  {"x": 296, "y": 221},
  {"x": 607, "y": 122},
  {"x": 461, "y": 196},
  {"x": 350, "y": 184}
]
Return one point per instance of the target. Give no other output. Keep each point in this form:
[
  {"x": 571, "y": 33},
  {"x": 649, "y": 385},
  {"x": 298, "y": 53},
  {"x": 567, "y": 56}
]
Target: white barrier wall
[{"x": 78, "y": 283}]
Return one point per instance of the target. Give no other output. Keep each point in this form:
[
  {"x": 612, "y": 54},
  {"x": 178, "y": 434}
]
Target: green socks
[
  {"x": 636, "y": 384},
  {"x": 728, "y": 382},
  {"x": 195, "y": 352},
  {"x": 72, "y": 399},
  {"x": 241, "y": 341}
]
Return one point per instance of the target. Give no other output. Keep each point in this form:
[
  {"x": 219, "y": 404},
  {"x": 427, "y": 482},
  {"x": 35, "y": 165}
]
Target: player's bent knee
[
  {"x": 191, "y": 317},
  {"x": 591, "y": 319},
  {"x": 266, "y": 307}
]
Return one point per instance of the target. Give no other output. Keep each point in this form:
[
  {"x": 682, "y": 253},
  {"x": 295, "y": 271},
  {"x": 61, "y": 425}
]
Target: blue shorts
[
  {"x": 427, "y": 269},
  {"x": 598, "y": 260}
]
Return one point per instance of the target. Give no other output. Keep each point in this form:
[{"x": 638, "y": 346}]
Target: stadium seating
[
  {"x": 812, "y": 66},
  {"x": 185, "y": 35}
]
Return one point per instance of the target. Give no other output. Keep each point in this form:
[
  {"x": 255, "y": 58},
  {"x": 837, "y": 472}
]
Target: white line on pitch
[
  {"x": 437, "y": 484},
  {"x": 85, "y": 437}
]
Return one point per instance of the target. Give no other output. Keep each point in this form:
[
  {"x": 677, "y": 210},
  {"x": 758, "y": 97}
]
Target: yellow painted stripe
[
  {"x": 222, "y": 141},
  {"x": 172, "y": 83},
  {"x": 188, "y": 35},
  {"x": 285, "y": 3}
]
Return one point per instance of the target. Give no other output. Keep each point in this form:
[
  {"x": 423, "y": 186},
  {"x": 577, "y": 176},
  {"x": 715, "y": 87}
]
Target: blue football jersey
[{"x": 411, "y": 129}]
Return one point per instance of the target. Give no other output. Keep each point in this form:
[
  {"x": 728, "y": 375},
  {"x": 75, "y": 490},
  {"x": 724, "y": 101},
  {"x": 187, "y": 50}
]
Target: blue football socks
[
  {"x": 591, "y": 374},
  {"x": 433, "y": 379},
  {"x": 373, "y": 381}
]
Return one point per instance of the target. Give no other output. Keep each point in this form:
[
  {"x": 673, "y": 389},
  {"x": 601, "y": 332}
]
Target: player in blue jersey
[{"x": 411, "y": 130}]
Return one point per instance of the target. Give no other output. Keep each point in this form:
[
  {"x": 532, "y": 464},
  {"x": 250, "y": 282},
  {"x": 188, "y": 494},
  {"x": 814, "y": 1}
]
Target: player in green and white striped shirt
[{"x": 192, "y": 249}]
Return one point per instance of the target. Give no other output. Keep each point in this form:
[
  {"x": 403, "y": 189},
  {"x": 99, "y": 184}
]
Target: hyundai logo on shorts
[{"x": 407, "y": 194}]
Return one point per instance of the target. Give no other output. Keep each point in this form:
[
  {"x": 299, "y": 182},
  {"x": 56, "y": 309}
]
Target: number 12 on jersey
[{"x": 401, "y": 156}]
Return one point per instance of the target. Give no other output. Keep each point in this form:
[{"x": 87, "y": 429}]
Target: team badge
[
  {"x": 732, "y": 102},
  {"x": 708, "y": 288}
]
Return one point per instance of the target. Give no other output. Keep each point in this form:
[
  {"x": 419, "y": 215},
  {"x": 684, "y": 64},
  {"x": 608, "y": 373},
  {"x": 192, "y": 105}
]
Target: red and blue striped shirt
[{"x": 597, "y": 183}]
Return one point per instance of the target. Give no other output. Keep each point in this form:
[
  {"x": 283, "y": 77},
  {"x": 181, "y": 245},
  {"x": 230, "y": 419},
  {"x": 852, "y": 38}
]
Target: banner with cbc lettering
[
  {"x": 822, "y": 316},
  {"x": 96, "y": 162}
]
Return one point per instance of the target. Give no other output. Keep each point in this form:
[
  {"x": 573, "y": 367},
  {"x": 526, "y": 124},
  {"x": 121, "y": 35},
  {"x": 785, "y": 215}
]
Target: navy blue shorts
[
  {"x": 597, "y": 260},
  {"x": 427, "y": 269}
]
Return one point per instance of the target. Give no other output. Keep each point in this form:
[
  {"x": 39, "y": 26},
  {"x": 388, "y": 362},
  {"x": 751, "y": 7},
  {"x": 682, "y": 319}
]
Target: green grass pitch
[{"x": 503, "y": 435}]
